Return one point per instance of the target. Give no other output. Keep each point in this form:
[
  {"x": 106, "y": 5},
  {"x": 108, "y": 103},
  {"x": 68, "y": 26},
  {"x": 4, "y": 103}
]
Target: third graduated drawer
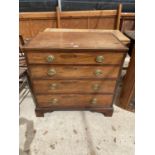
[
  {"x": 73, "y": 86},
  {"x": 90, "y": 58}
]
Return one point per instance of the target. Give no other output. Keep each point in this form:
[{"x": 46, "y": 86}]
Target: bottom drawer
[{"x": 74, "y": 100}]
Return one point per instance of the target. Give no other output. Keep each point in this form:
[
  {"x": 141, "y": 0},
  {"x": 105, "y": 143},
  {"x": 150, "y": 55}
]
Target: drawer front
[
  {"x": 62, "y": 72},
  {"x": 74, "y": 100},
  {"x": 73, "y": 86},
  {"x": 74, "y": 58}
]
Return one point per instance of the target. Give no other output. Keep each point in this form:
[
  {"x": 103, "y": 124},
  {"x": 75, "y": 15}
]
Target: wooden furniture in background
[
  {"x": 127, "y": 22},
  {"x": 118, "y": 16},
  {"x": 127, "y": 95},
  {"x": 74, "y": 70},
  {"x": 58, "y": 17},
  {"x": 31, "y": 23}
]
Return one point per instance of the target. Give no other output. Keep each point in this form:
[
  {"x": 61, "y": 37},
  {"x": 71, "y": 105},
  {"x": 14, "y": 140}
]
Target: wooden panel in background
[
  {"x": 74, "y": 23},
  {"x": 33, "y": 22},
  {"x": 29, "y": 28},
  {"x": 40, "y": 25},
  {"x": 128, "y": 25},
  {"x": 102, "y": 23},
  {"x": 25, "y": 29}
]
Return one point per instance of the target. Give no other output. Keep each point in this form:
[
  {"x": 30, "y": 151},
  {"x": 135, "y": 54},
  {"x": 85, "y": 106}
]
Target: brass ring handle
[
  {"x": 94, "y": 101},
  {"x": 51, "y": 72},
  {"x": 98, "y": 72},
  {"x": 50, "y": 58},
  {"x": 96, "y": 87},
  {"x": 54, "y": 101},
  {"x": 100, "y": 59}
]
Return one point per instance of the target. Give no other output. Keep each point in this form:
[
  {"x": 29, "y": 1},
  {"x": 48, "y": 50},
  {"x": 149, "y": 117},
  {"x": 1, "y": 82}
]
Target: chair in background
[{"x": 23, "y": 80}]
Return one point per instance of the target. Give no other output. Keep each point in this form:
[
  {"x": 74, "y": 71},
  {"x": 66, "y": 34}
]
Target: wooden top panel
[
  {"x": 75, "y": 40},
  {"x": 118, "y": 34}
]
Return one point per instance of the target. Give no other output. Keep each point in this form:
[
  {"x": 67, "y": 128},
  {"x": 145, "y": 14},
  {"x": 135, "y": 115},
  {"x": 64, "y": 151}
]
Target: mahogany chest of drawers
[{"x": 74, "y": 70}]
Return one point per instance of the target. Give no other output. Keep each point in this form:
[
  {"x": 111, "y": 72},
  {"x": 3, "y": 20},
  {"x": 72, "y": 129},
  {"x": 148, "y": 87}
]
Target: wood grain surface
[
  {"x": 73, "y": 86},
  {"x": 75, "y": 40},
  {"x": 71, "y": 72},
  {"x": 118, "y": 34},
  {"x": 75, "y": 57},
  {"x": 74, "y": 100}
]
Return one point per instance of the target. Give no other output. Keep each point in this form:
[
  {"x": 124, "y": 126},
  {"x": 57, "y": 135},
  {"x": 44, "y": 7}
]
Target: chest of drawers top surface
[{"x": 75, "y": 40}]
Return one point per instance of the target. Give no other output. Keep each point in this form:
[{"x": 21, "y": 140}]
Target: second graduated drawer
[
  {"x": 75, "y": 58},
  {"x": 73, "y": 72},
  {"x": 73, "y": 86}
]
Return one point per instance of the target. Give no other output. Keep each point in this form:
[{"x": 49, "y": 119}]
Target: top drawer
[{"x": 98, "y": 58}]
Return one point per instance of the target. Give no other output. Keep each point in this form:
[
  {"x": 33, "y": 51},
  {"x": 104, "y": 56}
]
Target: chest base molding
[{"x": 106, "y": 111}]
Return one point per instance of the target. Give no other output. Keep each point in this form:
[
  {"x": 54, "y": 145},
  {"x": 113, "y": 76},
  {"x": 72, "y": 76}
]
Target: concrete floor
[{"x": 75, "y": 133}]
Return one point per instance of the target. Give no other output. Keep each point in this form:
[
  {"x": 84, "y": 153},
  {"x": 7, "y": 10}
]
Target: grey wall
[{"x": 72, "y": 5}]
